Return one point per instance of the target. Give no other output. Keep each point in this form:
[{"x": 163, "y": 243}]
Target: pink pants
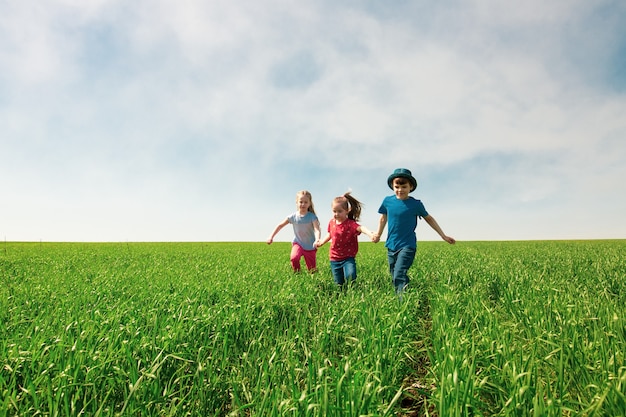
[{"x": 309, "y": 257}]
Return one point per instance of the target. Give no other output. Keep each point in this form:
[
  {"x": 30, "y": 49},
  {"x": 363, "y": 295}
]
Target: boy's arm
[
  {"x": 381, "y": 226},
  {"x": 433, "y": 223}
]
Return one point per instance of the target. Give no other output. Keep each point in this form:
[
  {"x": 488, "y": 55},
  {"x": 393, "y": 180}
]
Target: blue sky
[{"x": 200, "y": 120}]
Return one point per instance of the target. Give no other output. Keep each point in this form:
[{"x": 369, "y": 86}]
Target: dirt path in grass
[{"x": 417, "y": 389}]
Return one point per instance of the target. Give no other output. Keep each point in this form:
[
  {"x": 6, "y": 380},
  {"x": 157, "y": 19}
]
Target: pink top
[{"x": 344, "y": 239}]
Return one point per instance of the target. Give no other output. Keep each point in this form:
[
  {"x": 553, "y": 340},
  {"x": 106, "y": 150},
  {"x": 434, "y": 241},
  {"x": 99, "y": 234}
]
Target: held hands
[{"x": 375, "y": 237}]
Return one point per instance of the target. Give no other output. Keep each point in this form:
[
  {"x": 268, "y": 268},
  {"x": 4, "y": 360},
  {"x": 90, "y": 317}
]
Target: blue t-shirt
[
  {"x": 303, "y": 229},
  {"x": 401, "y": 221}
]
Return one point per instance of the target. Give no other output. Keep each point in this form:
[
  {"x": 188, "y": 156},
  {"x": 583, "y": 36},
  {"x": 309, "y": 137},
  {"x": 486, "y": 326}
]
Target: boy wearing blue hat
[{"x": 401, "y": 211}]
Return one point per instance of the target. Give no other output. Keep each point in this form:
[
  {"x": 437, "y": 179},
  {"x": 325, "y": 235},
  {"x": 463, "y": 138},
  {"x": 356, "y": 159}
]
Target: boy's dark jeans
[{"x": 399, "y": 263}]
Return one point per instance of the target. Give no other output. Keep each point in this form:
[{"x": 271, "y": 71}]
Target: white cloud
[{"x": 134, "y": 112}]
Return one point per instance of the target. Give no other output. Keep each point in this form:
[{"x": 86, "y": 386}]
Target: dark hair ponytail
[{"x": 351, "y": 204}]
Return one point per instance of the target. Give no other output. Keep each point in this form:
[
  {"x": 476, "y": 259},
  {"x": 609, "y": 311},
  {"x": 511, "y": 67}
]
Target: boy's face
[{"x": 401, "y": 188}]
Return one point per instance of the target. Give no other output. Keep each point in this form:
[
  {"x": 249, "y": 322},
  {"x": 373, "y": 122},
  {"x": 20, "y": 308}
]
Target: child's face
[
  {"x": 339, "y": 212},
  {"x": 303, "y": 204},
  {"x": 401, "y": 190}
]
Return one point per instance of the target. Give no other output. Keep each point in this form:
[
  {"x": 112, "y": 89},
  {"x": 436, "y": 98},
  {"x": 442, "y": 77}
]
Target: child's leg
[
  {"x": 399, "y": 264},
  {"x": 296, "y": 254},
  {"x": 349, "y": 269},
  {"x": 337, "y": 269},
  {"x": 310, "y": 259},
  {"x": 391, "y": 258}
]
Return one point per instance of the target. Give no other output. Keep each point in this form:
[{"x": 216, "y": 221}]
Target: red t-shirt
[{"x": 344, "y": 239}]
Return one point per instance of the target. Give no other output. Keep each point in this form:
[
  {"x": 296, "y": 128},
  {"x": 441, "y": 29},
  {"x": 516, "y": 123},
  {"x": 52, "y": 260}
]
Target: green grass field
[{"x": 202, "y": 329}]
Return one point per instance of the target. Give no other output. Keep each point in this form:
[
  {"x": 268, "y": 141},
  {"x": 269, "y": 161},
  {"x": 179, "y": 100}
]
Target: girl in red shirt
[{"x": 343, "y": 232}]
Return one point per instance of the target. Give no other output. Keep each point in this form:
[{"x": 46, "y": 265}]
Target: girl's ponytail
[{"x": 354, "y": 206}]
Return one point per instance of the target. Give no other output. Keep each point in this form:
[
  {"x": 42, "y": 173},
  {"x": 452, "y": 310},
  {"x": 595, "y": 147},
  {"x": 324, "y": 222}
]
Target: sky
[{"x": 196, "y": 120}]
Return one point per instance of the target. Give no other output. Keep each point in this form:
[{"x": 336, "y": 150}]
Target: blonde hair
[
  {"x": 305, "y": 193},
  {"x": 350, "y": 204}
]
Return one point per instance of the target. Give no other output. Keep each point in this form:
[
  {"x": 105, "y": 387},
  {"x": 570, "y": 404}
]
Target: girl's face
[
  {"x": 303, "y": 204},
  {"x": 401, "y": 190},
  {"x": 339, "y": 212}
]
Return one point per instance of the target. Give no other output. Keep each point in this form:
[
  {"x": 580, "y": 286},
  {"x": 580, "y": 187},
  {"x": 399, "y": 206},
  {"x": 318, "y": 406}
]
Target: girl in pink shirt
[{"x": 343, "y": 232}]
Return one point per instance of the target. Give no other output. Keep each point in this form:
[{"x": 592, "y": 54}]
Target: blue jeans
[
  {"x": 399, "y": 263},
  {"x": 343, "y": 270}
]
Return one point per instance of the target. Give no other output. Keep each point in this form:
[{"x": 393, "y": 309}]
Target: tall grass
[
  {"x": 193, "y": 329},
  {"x": 488, "y": 328},
  {"x": 534, "y": 328}
]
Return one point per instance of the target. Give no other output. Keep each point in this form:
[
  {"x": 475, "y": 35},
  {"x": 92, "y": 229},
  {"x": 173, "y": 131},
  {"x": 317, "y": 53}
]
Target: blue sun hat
[{"x": 402, "y": 173}]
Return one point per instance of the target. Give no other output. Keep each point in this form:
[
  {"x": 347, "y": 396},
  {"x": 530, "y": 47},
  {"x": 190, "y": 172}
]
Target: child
[
  {"x": 343, "y": 231},
  {"x": 402, "y": 211},
  {"x": 306, "y": 228}
]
